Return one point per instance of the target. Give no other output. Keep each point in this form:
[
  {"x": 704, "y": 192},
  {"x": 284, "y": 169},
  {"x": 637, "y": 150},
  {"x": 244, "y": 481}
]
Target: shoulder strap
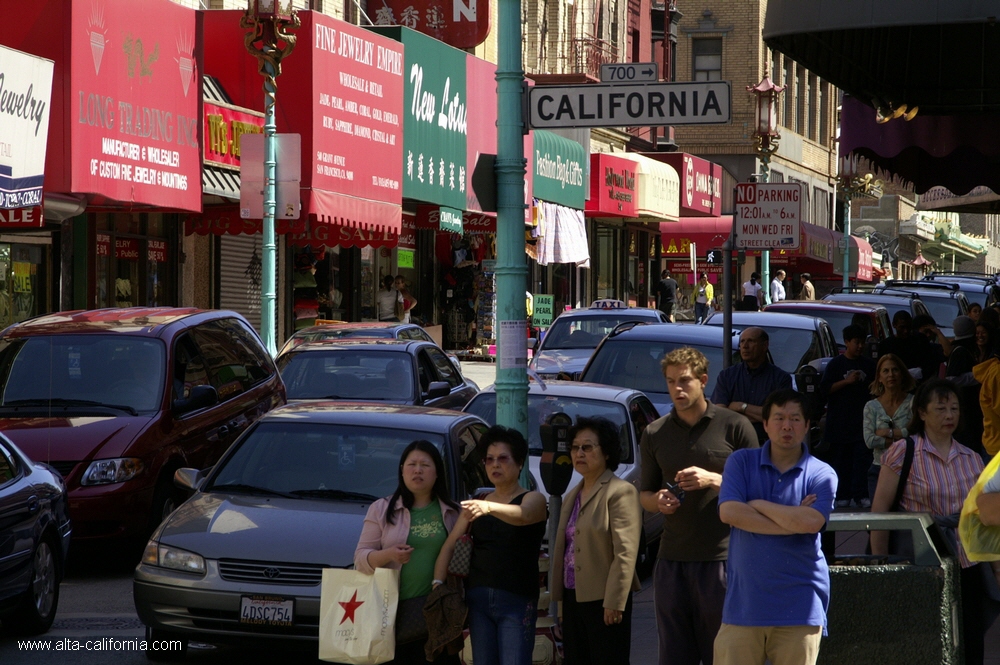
[{"x": 904, "y": 473}]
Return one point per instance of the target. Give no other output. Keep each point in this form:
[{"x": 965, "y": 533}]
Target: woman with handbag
[
  {"x": 939, "y": 472},
  {"x": 597, "y": 544},
  {"x": 406, "y": 532},
  {"x": 886, "y": 416},
  {"x": 506, "y": 526}
]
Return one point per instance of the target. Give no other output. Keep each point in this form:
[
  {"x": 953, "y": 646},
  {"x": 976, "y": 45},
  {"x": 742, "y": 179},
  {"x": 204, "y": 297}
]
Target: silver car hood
[
  {"x": 561, "y": 360},
  {"x": 238, "y": 526}
]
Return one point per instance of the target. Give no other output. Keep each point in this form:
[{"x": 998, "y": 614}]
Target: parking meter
[{"x": 556, "y": 467}]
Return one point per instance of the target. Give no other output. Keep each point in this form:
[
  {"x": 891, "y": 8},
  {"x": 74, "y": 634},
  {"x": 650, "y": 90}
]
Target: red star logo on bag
[{"x": 350, "y": 606}]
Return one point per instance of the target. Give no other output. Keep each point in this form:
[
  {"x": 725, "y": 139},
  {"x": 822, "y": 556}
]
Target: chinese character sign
[{"x": 459, "y": 23}]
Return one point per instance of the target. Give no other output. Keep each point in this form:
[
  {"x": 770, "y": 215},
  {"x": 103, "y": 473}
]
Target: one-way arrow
[{"x": 648, "y": 72}]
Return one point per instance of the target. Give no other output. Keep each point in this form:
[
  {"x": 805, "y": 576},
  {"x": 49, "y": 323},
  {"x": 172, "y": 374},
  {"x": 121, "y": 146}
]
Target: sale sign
[
  {"x": 25, "y": 89},
  {"x": 134, "y": 97}
]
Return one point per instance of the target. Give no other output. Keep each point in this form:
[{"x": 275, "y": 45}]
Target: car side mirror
[
  {"x": 532, "y": 342},
  {"x": 200, "y": 397},
  {"x": 437, "y": 389},
  {"x": 189, "y": 479}
]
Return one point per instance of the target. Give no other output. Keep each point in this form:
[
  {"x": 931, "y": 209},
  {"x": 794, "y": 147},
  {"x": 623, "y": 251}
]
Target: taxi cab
[{"x": 573, "y": 336}]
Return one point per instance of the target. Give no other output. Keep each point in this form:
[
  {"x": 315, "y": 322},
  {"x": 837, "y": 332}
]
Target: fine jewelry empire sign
[{"x": 630, "y": 105}]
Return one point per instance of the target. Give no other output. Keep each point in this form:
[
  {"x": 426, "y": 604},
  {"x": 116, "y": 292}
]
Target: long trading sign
[{"x": 631, "y": 105}]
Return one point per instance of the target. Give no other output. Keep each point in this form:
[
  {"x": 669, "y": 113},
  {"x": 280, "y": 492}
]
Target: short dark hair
[
  {"x": 783, "y": 397},
  {"x": 514, "y": 440},
  {"x": 854, "y": 332},
  {"x": 607, "y": 436},
  {"x": 921, "y": 320},
  {"x": 901, "y": 316},
  {"x": 805, "y": 275},
  {"x": 933, "y": 389},
  {"x": 665, "y": 273}
]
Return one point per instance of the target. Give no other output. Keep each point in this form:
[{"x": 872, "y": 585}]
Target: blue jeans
[
  {"x": 700, "y": 311},
  {"x": 501, "y": 625}
]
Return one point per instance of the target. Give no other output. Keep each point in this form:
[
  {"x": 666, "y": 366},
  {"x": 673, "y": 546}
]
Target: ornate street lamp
[
  {"x": 853, "y": 185},
  {"x": 766, "y": 144},
  {"x": 268, "y": 39}
]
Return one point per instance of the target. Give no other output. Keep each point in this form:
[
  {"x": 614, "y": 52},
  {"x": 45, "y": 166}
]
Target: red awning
[
  {"x": 351, "y": 211},
  {"x": 222, "y": 220},
  {"x": 706, "y": 232}
]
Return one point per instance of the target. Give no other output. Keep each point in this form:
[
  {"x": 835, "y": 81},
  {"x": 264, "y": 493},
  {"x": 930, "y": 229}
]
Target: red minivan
[{"x": 117, "y": 399}]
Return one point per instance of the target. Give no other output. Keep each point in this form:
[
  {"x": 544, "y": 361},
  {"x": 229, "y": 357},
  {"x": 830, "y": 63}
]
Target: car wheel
[
  {"x": 177, "y": 651},
  {"x": 166, "y": 498},
  {"x": 37, "y": 609}
]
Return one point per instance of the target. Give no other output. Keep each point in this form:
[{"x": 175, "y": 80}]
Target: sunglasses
[
  {"x": 586, "y": 449},
  {"x": 503, "y": 459}
]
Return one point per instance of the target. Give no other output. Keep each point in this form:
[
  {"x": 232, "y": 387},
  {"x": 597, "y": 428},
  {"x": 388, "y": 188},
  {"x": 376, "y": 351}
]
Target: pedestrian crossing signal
[{"x": 713, "y": 257}]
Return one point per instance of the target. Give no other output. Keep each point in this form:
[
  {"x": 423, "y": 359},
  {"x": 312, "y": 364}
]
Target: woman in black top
[{"x": 507, "y": 528}]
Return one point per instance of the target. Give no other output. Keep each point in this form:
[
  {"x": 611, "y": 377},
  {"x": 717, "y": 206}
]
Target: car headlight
[
  {"x": 174, "y": 558},
  {"x": 116, "y": 470}
]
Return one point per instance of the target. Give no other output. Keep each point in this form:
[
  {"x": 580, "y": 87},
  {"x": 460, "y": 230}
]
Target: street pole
[
  {"x": 271, "y": 30},
  {"x": 512, "y": 269},
  {"x": 727, "y": 294},
  {"x": 765, "y": 255},
  {"x": 847, "y": 242}
]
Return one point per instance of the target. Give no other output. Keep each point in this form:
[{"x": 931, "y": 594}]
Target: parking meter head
[{"x": 556, "y": 466}]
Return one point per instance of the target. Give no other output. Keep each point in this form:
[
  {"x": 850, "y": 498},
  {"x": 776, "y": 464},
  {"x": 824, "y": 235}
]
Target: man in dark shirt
[
  {"x": 912, "y": 348},
  {"x": 845, "y": 385},
  {"x": 666, "y": 294},
  {"x": 744, "y": 386},
  {"x": 683, "y": 455}
]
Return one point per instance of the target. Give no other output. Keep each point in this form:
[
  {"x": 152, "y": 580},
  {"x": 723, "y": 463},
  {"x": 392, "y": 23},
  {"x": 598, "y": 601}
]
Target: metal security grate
[{"x": 264, "y": 572}]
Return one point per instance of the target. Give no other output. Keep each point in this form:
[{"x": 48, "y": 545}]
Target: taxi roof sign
[{"x": 608, "y": 303}]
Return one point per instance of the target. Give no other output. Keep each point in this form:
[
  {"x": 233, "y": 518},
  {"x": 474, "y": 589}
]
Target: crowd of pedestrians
[{"x": 741, "y": 575}]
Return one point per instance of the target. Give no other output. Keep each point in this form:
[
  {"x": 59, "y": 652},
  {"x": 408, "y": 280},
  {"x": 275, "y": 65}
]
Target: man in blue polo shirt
[{"x": 776, "y": 499}]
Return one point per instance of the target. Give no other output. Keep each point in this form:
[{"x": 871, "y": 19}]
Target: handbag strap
[{"x": 904, "y": 473}]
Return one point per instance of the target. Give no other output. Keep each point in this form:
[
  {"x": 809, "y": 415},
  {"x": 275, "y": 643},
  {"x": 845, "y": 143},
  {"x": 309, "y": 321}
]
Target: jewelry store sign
[{"x": 25, "y": 90}]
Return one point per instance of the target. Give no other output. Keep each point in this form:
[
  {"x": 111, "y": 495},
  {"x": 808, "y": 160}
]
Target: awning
[
  {"x": 958, "y": 152},
  {"x": 659, "y": 189},
  {"x": 980, "y": 200},
  {"x": 939, "y": 55},
  {"x": 706, "y": 232},
  {"x": 328, "y": 233},
  {"x": 701, "y": 195},
  {"x": 427, "y": 218},
  {"x": 558, "y": 171},
  {"x": 373, "y": 216},
  {"x": 612, "y": 186},
  {"x": 860, "y": 265},
  {"x": 225, "y": 219},
  {"x": 217, "y": 181}
]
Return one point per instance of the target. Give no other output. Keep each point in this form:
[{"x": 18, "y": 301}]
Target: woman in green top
[{"x": 409, "y": 535}]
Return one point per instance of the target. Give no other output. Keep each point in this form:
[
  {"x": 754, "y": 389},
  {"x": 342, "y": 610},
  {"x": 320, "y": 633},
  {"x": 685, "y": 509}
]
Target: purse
[
  {"x": 461, "y": 558},
  {"x": 411, "y": 625}
]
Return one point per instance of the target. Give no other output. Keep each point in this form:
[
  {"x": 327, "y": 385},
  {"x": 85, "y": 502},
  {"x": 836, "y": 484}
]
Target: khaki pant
[{"x": 782, "y": 645}]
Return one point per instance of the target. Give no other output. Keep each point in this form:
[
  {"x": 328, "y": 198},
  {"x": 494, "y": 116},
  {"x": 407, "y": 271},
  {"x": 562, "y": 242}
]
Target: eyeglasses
[
  {"x": 586, "y": 449},
  {"x": 503, "y": 459}
]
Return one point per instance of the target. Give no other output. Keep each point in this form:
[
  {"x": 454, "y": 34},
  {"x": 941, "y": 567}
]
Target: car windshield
[
  {"x": 541, "y": 407},
  {"x": 348, "y": 374},
  {"x": 82, "y": 370},
  {"x": 584, "y": 332},
  {"x": 636, "y": 364},
  {"x": 838, "y": 321},
  {"x": 791, "y": 348},
  {"x": 317, "y": 460},
  {"x": 944, "y": 310}
]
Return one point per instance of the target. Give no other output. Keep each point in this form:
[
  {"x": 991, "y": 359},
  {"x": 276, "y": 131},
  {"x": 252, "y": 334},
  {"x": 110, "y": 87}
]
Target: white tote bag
[{"x": 357, "y": 616}]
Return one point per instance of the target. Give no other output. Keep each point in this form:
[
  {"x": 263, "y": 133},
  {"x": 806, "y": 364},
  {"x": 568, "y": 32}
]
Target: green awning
[{"x": 559, "y": 172}]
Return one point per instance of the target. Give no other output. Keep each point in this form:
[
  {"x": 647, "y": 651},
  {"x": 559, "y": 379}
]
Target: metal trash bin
[{"x": 885, "y": 611}]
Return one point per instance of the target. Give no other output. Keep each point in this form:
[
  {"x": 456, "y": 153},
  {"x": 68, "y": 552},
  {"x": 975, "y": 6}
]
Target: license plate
[{"x": 267, "y": 610}]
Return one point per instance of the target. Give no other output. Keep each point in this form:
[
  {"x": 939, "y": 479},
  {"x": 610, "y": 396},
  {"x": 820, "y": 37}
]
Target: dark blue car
[{"x": 34, "y": 541}]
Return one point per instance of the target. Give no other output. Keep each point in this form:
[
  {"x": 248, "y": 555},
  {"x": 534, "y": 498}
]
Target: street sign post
[
  {"x": 629, "y": 72},
  {"x": 630, "y": 105},
  {"x": 767, "y": 215}
]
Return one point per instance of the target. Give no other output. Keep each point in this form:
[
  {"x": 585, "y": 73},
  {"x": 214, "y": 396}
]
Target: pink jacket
[{"x": 377, "y": 534}]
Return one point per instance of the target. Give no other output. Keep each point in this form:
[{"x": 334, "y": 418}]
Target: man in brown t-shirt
[{"x": 683, "y": 455}]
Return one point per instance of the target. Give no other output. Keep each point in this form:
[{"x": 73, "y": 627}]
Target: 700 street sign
[
  {"x": 767, "y": 215},
  {"x": 633, "y": 105}
]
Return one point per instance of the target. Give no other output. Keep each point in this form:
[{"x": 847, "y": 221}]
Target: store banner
[
  {"x": 429, "y": 217},
  {"x": 481, "y": 140},
  {"x": 156, "y": 251},
  {"x": 135, "y": 84},
  {"x": 224, "y": 125},
  {"x": 25, "y": 94},
  {"x": 408, "y": 236},
  {"x": 127, "y": 249},
  {"x": 22, "y": 218},
  {"x": 460, "y": 23},
  {"x": 612, "y": 187},
  {"x": 558, "y": 170},
  {"x": 701, "y": 184},
  {"x": 222, "y": 220},
  {"x": 450, "y": 220},
  {"x": 323, "y": 234},
  {"x": 435, "y": 117}
]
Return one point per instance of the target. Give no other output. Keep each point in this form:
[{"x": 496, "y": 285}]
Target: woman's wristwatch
[{"x": 435, "y": 583}]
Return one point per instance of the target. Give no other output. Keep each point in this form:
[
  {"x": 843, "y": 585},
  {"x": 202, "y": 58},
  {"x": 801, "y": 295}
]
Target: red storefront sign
[
  {"x": 460, "y": 23},
  {"x": 133, "y": 111},
  {"x": 156, "y": 251},
  {"x": 21, "y": 218},
  {"x": 103, "y": 245},
  {"x": 324, "y": 234},
  {"x": 428, "y": 217},
  {"x": 701, "y": 183},
  {"x": 220, "y": 220},
  {"x": 684, "y": 267},
  {"x": 127, "y": 249},
  {"x": 344, "y": 94},
  {"x": 481, "y": 104},
  {"x": 612, "y": 187},
  {"x": 224, "y": 126},
  {"x": 408, "y": 237}
]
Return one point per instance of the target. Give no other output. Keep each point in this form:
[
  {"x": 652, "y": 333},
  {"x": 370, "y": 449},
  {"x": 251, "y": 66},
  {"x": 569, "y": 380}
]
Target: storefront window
[
  {"x": 606, "y": 270},
  {"x": 368, "y": 285},
  {"x": 134, "y": 260},
  {"x": 22, "y": 282}
]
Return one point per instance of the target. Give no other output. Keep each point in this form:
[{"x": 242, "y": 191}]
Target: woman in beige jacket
[{"x": 593, "y": 564}]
